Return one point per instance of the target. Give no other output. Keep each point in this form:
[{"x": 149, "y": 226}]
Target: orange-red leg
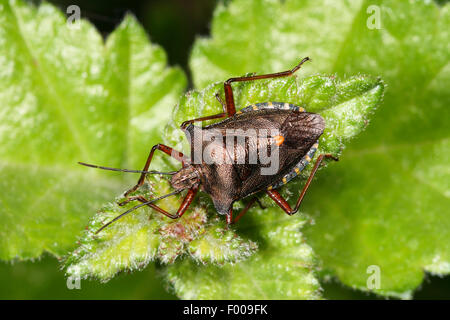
[
  {"x": 181, "y": 210},
  {"x": 283, "y": 204},
  {"x": 167, "y": 150},
  {"x": 230, "y": 219},
  {"x": 229, "y": 107},
  {"x": 229, "y": 98}
]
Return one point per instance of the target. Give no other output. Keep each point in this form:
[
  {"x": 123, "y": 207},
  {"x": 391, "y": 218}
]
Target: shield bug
[{"x": 234, "y": 171}]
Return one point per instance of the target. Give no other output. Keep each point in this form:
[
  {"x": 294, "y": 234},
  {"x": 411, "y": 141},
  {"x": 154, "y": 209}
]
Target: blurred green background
[
  {"x": 43, "y": 280},
  {"x": 173, "y": 24}
]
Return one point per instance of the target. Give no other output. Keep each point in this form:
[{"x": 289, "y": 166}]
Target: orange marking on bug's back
[{"x": 279, "y": 140}]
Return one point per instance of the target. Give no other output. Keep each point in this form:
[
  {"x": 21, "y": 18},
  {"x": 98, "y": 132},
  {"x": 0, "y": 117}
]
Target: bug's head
[{"x": 187, "y": 177}]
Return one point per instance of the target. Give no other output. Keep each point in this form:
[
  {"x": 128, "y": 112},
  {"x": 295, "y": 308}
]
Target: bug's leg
[
  {"x": 167, "y": 150},
  {"x": 181, "y": 210},
  {"x": 278, "y": 198},
  {"x": 230, "y": 219},
  {"x": 229, "y": 98},
  {"x": 215, "y": 116},
  {"x": 230, "y": 216},
  {"x": 244, "y": 211},
  {"x": 229, "y": 108},
  {"x": 311, "y": 176},
  {"x": 280, "y": 201}
]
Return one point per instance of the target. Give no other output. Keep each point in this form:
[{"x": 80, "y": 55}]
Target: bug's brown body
[
  {"x": 229, "y": 182},
  {"x": 292, "y": 133}
]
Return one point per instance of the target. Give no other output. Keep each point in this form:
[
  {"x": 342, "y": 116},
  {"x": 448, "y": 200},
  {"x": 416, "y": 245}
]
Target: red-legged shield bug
[{"x": 235, "y": 171}]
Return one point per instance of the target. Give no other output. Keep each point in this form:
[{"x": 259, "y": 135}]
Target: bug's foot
[
  {"x": 329, "y": 155},
  {"x": 122, "y": 203},
  {"x": 260, "y": 204},
  {"x": 335, "y": 158},
  {"x": 127, "y": 200}
]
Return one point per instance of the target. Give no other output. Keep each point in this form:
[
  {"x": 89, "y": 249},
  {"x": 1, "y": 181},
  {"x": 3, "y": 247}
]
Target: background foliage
[
  {"x": 393, "y": 190},
  {"x": 401, "y": 157}
]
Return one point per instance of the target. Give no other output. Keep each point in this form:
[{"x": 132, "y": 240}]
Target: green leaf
[
  {"x": 284, "y": 266},
  {"x": 201, "y": 238},
  {"x": 67, "y": 96},
  {"x": 146, "y": 235},
  {"x": 386, "y": 202}
]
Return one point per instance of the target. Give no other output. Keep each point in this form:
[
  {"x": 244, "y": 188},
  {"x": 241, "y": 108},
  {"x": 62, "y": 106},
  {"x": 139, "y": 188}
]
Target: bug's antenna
[
  {"x": 137, "y": 207},
  {"x": 126, "y": 170}
]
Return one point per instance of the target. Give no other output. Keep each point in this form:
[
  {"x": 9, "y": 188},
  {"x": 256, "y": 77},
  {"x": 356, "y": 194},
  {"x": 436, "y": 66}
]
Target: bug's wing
[
  {"x": 301, "y": 130},
  {"x": 297, "y": 130},
  {"x": 298, "y": 133}
]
